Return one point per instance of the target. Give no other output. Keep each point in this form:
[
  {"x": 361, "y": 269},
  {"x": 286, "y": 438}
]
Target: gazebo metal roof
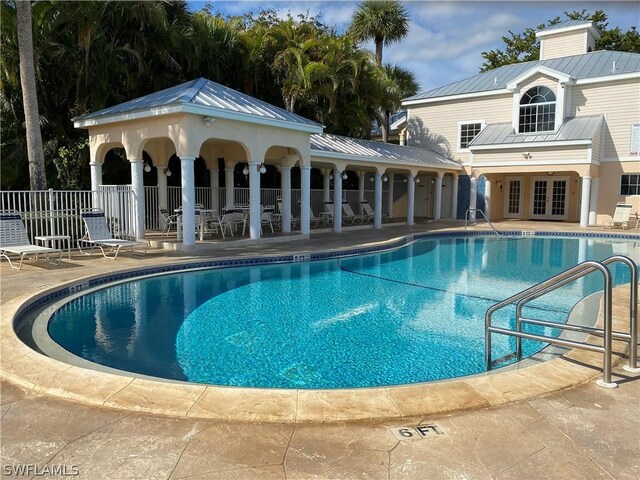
[
  {"x": 336, "y": 146},
  {"x": 203, "y": 97}
]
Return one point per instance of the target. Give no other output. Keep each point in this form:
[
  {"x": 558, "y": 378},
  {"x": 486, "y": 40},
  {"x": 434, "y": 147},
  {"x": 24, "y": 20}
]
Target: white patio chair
[
  {"x": 15, "y": 241},
  {"x": 97, "y": 234},
  {"x": 235, "y": 217},
  {"x": 167, "y": 221},
  {"x": 265, "y": 217},
  {"x": 621, "y": 217}
]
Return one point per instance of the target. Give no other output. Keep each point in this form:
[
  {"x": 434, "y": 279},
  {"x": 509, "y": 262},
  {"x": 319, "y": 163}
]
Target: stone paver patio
[{"x": 585, "y": 432}]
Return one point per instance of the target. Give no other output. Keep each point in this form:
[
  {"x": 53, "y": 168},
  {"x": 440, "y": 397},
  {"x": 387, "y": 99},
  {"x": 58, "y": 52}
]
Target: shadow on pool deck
[{"x": 584, "y": 432}]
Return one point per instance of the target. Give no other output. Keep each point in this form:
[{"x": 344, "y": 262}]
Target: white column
[
  {"x": 337, "y": 201},
  {"x": 137, "y": 185},
  {"x": 305, "y": 199},
  {"x": 326, "y": 185},
  {"x": 473, "y": 190},
  {"x": 162, "y": 188},
  {"x": 254, "y": 200},
  {"x": 96, "y": 182},
  {"x": 391, "y": 180},
  {"x": 377, "y": 212},
  {"x": 96, "y": 175},
  {"x": 188, "y": 201},
  {"x": 584, "y": 201},
  {"x": 454, "y": 197},
  {"x": 285, "y": 175},
  {"x": 229, "y": 186},
  {"x": 593, "y": 201},
  {"x": 487, "y": 198},
  {"x": 361, "y": 178},
  {"x": 437, "y": 203},
  {"x": 214, "y": 181},
  {"x": 411, "y": 197}
]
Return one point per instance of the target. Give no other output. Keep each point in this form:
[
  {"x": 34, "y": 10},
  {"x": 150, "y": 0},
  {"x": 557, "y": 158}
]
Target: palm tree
[
  {"x": 386, "y": 22},
  {"x": 37, "y": 175},
  {"x": 399, "y": 83}
]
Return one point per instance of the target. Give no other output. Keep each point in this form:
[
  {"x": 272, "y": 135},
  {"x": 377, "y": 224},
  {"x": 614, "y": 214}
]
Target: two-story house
[{"x": 553, "y": 139}]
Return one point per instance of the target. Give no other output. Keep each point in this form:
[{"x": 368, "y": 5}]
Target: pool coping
[{"x": 23, "y": 366}]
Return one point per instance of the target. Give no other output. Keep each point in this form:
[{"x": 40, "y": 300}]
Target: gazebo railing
[{"x": 57, "y": 212}]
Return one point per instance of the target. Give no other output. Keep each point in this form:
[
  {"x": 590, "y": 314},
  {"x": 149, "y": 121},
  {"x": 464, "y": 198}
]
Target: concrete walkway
[{"x": 583, "y": 433}]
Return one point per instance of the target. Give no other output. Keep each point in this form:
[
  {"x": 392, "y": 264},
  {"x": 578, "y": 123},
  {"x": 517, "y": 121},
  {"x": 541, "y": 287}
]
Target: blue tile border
[{"x": 75, "y": 288}]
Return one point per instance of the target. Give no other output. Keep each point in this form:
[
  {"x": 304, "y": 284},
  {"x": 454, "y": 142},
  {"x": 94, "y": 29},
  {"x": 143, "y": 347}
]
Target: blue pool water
[{"x": 409, "y": 315}]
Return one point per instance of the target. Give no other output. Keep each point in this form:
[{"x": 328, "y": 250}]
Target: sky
[{"x": 446, "y": 38}]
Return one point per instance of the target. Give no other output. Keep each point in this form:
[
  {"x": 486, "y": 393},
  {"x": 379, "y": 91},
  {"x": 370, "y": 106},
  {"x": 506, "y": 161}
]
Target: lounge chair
[
  {"x": 15, "y": 241},
  {"x": 317, "y": 221},
  {"x": 97, "y": 234},
  {"x": 349, "y": 216},
  {"x": 369, "y": 213},
  {"x": 327, "y": 215},
  {"x": 277, "y": 217},
  {"x": 621, "y": 217}
]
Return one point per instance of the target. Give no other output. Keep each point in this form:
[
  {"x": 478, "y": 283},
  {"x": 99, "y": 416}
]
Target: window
[
  {"x": 537, "y": 110},
  {"x": 468, "y": 132},
  {"x": 630, "y": 184}
]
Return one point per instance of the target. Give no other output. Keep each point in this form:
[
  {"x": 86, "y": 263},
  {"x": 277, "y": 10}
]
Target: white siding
[
  {"x": 563, "y": 44},
  {"x": 550, "y": 154},
  {"x": 441, "y": 119},
  {"x": 620, "y": 102},
  {"x": 539, "y": 80}
]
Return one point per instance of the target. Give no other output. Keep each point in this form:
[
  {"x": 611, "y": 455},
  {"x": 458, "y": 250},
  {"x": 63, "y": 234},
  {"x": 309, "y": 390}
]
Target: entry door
[
  {"x": 421, "y": 207},
  {"x": 513, "y": 197},
  {"x": 447, "y": 191},
  {"x": 549, "y": 198}
]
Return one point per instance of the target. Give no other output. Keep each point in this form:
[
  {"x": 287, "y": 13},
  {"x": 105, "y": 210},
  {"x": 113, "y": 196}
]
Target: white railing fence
[{"x": 57, "y": 212}]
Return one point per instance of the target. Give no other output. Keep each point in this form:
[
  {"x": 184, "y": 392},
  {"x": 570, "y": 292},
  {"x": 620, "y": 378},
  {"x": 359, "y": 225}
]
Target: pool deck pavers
[{"x": 583, "y": 432}]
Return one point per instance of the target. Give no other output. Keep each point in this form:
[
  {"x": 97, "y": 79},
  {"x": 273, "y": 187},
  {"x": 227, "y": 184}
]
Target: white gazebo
[{"x": 204, "y": 119}]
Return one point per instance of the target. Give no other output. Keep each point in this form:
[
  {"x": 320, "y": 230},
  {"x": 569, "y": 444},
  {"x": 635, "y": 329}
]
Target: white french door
[
  {"x": 513, "y": 197},
  {"x": 549, "y": 198}
]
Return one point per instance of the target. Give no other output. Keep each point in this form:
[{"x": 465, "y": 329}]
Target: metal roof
[
  {"x": 573, "y": 129},
  {"x": 325, "y": 144},
  {"x": 567, "y": 24},
  {"x": 212, "y": 98},
  {"x": 579, "y": 67}
]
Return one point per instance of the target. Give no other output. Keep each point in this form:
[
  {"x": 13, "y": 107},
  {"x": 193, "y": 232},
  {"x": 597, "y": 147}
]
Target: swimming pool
[{"x": 410, "y": 315}]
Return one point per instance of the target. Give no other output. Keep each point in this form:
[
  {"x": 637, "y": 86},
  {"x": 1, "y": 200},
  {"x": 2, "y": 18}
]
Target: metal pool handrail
[
  {"x": 466, "y": 218},
  {"x": 557, "y": 281}
]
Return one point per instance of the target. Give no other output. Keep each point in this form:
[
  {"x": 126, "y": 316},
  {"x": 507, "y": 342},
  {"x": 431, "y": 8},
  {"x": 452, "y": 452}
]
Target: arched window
[{"x": 537, "y": 110}]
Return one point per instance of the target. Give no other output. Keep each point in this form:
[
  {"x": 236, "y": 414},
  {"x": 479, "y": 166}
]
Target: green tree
[
  {"x": 37, "y": 175},
  {"x": 385, "y": 22},
  {"x": 524, "y": 47}
]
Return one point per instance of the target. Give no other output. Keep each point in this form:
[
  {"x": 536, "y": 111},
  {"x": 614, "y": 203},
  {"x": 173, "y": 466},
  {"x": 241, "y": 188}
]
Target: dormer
[
  {"x": 573, "y": 37},
  {"x": 539, "y": 100}
]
